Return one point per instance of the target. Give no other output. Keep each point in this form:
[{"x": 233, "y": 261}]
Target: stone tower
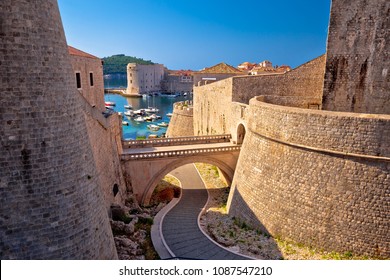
[
  {"x": 357, "y": 75},
  {"x": 51, "y": 206}
]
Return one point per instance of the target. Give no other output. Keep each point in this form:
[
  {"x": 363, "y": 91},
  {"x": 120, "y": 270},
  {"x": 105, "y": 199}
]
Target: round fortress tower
[
  {"x": 51, "y": 206},
  {"x": 182, "y": 121}
]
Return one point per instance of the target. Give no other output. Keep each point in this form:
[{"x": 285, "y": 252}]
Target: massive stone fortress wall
[
  {"x": 105, "y": 136},
  {"x": 212, "y": 108},
  {"x": 358, "y": 65},
  {"x": 51, "y": 205},
  {"x": 182, "y": 122},
  {"x": 317, "y": 177}
]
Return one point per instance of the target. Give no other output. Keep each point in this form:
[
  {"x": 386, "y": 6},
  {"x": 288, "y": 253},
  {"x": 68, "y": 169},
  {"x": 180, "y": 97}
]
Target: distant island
[{"x": 116, "y": 64}]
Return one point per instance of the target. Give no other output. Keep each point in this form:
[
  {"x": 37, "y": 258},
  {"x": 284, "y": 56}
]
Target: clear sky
[{"x": 193, "y": 34}]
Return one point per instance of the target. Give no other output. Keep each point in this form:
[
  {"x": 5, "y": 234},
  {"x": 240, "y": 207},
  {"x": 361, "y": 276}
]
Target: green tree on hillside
[{"x": 116, "y": 64}]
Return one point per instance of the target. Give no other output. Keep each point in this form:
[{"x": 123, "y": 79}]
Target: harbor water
[{"x": 139, "y": 130}]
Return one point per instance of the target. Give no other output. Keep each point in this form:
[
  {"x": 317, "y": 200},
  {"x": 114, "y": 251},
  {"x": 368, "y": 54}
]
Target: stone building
[
  {"x": 180, "y": 81},
  {"x": 215, "y": 73},
  {"x": 88, "y": 72},
  {"x": 144, "y": 78}
]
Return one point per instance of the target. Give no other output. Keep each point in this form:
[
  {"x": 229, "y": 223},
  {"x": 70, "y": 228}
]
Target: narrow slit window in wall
[
  {"x": 78, "y": 80},
  {"x": 91, "y": 79}
]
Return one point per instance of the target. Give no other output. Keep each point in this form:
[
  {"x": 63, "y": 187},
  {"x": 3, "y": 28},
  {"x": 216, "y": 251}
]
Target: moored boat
[
  {"x": 139, "y": 119},
  {"x": 109, "y": 103},
  {"x": 163, "y": 124},
  {"x": 156, "y": 117},
  {"x": 153, "y": 127}
]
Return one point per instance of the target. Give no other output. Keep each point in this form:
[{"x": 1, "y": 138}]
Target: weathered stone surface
[
  {"x": 358, "y": 57},
  {"x": 51, "y": 204},
  {"x": 182, "y": 122}
]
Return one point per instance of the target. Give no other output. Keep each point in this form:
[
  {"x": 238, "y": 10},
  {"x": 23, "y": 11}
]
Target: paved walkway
[{"x": 179, "y": 226}]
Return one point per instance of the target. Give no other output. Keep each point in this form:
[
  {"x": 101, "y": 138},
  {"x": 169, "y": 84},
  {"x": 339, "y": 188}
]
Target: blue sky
[{"x": 194, "y": 34}]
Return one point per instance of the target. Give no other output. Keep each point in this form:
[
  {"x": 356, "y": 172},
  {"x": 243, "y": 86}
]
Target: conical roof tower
[{"x": 51, "y": 206}]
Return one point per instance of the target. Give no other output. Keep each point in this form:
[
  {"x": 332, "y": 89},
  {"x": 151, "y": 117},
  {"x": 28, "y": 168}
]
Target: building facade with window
[
  {"x": 88, "y": 71},
  {"x": 179, "y": 81},
  {"x": 144, "y": 78}
]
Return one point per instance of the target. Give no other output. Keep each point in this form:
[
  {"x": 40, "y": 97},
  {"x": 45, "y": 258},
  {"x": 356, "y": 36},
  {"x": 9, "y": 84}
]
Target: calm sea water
[{"x": 135, "y": 129}]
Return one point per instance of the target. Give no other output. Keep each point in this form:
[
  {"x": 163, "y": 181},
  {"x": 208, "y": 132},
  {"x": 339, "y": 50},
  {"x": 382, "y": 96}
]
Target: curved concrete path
[{"x": 178, "y": 228}]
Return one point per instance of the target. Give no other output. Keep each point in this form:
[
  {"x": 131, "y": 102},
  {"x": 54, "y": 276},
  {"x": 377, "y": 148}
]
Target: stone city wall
[
  {"x": 174, "y": 83},
  {"x": 358, "y": 57},
  {"x": 51, "y": 204},
  {"x": 212, "y": 108},
  {"x": 182, "y": 121},
  {"x": 105, "y": 137},
  {"x": 317, "y": 178},
  {"x": 305, "y": 80}
]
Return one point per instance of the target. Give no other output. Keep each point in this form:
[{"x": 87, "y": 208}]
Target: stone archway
[
  {"x": 227, "y": 171},
  {"x": 240, "y": 133}
]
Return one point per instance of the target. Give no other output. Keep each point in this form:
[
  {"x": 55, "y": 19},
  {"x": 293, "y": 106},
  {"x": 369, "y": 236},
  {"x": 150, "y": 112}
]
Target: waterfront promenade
[{"x": 176, "y": 231}]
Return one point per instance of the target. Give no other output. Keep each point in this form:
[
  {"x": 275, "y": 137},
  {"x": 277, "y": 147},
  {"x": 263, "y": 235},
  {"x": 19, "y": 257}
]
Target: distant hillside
[{"x": 117, "y": 63}]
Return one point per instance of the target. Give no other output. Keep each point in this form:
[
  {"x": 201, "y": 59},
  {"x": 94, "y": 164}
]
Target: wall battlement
[{"x": 182, "y": 122}]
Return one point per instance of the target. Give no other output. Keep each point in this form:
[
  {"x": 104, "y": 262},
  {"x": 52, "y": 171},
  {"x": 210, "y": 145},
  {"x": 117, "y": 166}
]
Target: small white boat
[
  {"x": 153, "y": 127},
  {"x": 148, "y": 119},
  {"x": 151, "y": 110},
  {"x": 139, "y": 119},
  {"x": 109, "y": 107},
  {"x": 129, "y": 113},
  {"x": 155, "y": 117},
  {"x": 125, "y": 123},
  {"x": 163, "y": 124},
  {"x": 139, "y": 112},
  {"x": 128, "y": 107},
  {"x": 169, "y": 115},
  {"x": 152, "y": 136},
  {"x": 109, "y": 103}
]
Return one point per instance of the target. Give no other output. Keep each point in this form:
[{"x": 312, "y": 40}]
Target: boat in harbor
[
  {"x": 163, "y": 124},
  {"x": 156, "y": 117},
  {"x": 151, "y": 110},
  {"x": 153, "y": 136},
  {"x": 109, "y": 103},
  {"x": 125, "y": 123},
  {"x": 153, "y": 127},
  {"x": 169, "y": 115},
  {"x": 140, "y": 112},
  {"x": 128, "y": 107},
  {"x": 139, "y": 119},
  {"x": 129, "y": 113}
]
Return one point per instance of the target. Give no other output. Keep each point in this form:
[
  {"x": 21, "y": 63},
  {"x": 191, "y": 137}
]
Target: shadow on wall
[{"x": 269, "y": 247}]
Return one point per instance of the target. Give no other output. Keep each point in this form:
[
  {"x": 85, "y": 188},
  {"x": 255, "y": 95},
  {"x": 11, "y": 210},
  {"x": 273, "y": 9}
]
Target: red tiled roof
[
  {"x": 76, "y": 52},
  {"x": 221, "y": 68}
]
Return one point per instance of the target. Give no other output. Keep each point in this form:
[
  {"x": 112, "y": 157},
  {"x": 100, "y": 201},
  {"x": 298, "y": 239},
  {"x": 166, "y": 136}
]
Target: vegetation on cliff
[{"x": 116, "y": 64}]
